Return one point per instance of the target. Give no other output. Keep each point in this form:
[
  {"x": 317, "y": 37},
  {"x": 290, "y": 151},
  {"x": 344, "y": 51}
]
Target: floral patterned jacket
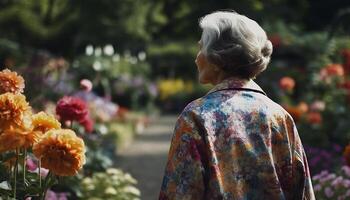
[{"x": 236, "y": 143}]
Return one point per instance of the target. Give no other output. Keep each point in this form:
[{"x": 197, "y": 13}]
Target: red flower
[
  {"x": 287, "y": 83},
  {"x": 346, "y": 154},
  {"x": 314, "y": 117},
  {"x": 276, "y": 40},
  {"x": 346, "y": 86},
  {"x": 122, "y": 112},
  {"x": 88, "y": 124},
  {"x": 71, "y": 108},
  {"x": 346, "y": 55},
  {"x": 331, "y": 70}
]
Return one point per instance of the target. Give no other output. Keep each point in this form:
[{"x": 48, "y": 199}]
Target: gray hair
[{"x": 235, "y": 43}]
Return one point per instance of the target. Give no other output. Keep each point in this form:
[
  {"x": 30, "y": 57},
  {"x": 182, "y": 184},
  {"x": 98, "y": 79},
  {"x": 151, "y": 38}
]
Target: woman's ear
[{"x": 215, "y": 68}]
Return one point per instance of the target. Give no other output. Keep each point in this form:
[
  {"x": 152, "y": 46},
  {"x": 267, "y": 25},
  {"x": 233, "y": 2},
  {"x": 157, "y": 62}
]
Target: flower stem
[
  {"x": 45, "y": 185},
  {"x": 15, "y": 175},
  {"x": 24, "y": 166},
  {"x": 39, "y": 174}
]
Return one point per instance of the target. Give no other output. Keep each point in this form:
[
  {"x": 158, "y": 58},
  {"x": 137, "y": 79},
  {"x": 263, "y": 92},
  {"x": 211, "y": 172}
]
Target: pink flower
[
  {"x": 31, "y": 165},
  {"x": 318, "y": 105},
  {"x": 86, "y": 85},
  {"x": 51, "y": 195},
  {"x": 43, "y": 172}
]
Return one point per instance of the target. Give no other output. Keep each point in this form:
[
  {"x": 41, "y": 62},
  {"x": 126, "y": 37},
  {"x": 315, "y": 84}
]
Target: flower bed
[{"x": 43, "y": 156}]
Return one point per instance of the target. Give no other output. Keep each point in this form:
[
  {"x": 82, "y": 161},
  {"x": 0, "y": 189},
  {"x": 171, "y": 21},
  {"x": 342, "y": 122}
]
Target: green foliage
[{"x": 113, "y": 184}]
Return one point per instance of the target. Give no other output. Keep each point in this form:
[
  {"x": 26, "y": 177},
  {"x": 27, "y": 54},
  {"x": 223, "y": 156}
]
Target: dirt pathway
[{"x": 145, "y": 157}]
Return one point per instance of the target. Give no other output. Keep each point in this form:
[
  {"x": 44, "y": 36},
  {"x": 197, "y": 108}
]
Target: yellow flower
[
  {"x": 61, "y": 151},
  {"x": 13, "y": 110},
  {"x": 43, "y": 122},
  {"x": 11, "y": 82}
]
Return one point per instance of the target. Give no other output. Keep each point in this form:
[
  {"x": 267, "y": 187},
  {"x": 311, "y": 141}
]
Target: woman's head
[{"x": 231, "y": 45}]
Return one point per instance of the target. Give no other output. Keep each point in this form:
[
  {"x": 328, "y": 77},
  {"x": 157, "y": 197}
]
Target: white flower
[
  {"x": 97, "y": 66},
  {"x": 98, "y": 51},
  {"x": 132, "y": 190},
  {"x": 108, "y": 50},
  {"x": 110, "y": 190},
  {"x": 87, "y": 181},
  {"x": 116, "y": 58},
  {"x": 89, "y": 50},
  {"x": 113, "y": 171},
  {"x": 142, "y": 56},
  {"x": 103, "y": 129},
  {"x": 133, "y": 60}
]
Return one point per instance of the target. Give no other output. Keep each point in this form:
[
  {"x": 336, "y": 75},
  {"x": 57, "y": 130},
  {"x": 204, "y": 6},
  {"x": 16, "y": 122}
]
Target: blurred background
[{"x": 139, "y": 56}]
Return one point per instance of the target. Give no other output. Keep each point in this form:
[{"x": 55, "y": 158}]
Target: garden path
[{"x": 145, "y": 157}]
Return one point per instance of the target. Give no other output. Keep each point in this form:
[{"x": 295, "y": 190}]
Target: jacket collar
[{"x": 235, "y": 83}]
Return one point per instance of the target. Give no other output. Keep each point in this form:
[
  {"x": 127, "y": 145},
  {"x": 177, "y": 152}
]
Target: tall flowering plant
[{"x": 34, "y": 149}]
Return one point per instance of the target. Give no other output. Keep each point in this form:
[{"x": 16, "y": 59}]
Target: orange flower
[
  {"x": 16, "y": 138},
  {"x": 346, "y": 154},
  {"x": 314, "y": 117},
  {"x": 287, "y": 83},
  {"x": 61, "y": 151},
  {"x": 13, "y": 110},
  {"x": 303, "y": 107},
  {"x": 11, "y": 82},
  {"x": 44, "y": 122},
  {"x": 297, "y": 111}
]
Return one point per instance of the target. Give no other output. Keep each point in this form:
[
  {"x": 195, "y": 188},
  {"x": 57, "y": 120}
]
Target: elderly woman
[{"x": 235, "y": 142}]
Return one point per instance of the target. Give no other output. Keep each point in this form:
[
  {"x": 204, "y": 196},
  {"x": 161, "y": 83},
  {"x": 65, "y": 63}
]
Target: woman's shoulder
[{"x": 201, "y": 105}]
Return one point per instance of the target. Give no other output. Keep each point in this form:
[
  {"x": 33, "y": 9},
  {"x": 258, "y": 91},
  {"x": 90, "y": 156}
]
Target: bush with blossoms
[
  {"x": 309, "y": 75},
  {"x": 125, "y": 78},
  {"x": 41, "y": 155},
  {"x": 32, "y": 139}
]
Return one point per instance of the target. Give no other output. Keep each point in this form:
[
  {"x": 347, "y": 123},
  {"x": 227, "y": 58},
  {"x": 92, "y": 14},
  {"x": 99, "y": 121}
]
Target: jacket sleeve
[
  {"x": 302, "y": 189},
  {"x": 183, "y": 178}
]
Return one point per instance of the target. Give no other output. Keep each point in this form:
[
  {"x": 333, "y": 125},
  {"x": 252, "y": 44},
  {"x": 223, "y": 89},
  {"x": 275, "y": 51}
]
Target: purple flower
[
  {"x": 137, "y": 81},
  {"x": 336, "y": 182},
  {"x": 317, "y": 187},
  {"x": 327, "y": 178},
  {"x": 346, "y": 183},
  {"x": 346, "y": 170},
  {"x": 51, "y": 195},
  {"x": 153, "y": 90},
  {"x": 328, "y": 192},
  {"x": 337, "y": 148}
]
